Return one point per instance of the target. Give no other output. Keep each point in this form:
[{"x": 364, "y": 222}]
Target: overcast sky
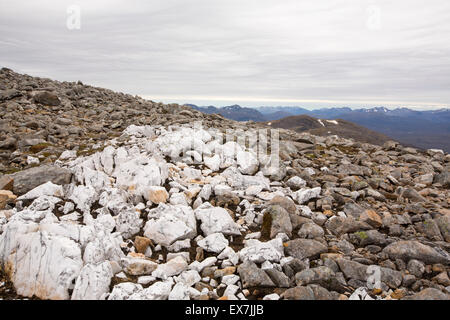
[{"x": 249, "y": 52}]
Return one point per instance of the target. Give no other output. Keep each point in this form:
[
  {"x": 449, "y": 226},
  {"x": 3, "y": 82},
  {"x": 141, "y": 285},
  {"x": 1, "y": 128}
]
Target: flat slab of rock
[
  {"x": 359, "y": 271},
  {"x": 305, "y": 248},
  {"x": 136, "y": 266},
  {"x": 407, "y": 250},
  {"x": 29, "y": 179}
]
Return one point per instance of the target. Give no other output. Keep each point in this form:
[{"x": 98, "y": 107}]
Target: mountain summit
[{"x": 105, "y": 195}]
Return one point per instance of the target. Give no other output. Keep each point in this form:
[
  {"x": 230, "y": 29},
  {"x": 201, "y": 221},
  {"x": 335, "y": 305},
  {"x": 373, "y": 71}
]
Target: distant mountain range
[{"x": 422, "y": 129}]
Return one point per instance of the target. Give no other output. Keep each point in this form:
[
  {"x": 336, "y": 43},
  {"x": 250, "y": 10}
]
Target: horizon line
[{"x": 238, "y": 100}]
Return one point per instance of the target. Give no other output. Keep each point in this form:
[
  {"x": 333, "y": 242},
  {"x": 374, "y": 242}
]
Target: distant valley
[{"x": 421, "y": 129}]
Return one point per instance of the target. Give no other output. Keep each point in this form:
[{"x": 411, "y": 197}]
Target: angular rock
[
  {"x": 93, "y": 282},
  {"x": 171, "y": 268},
  {"x": 170, "y": 223},
  {"x": 47, "y": 98},
  {"x": 305, "y": 248},
  {"x": 429, "y": 294},
  {"x": 252, "y": 276},
  {"x": 216, "y": 219},
  {"x": 44, "y": 265},
  {"x": 407, "y": 250},
  {"x": 304, "y": 195},
  {"x": 157, "y": 194},
  {"x": 136, "y": 266},
  {"x": 215, "y": 242},
  {"x": 29, "y": 179}
]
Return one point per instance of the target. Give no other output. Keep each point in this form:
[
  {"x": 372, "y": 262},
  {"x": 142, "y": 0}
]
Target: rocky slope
[{"x": 160, "y": 207}]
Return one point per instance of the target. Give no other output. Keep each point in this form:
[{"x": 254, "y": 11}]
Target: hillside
[
  {"x": 107, "y": 196},
  {"x": 342, "y": 128}
]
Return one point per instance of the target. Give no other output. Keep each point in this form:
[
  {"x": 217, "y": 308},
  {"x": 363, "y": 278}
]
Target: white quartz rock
[
  {"x": 115, "y": 200},
  {"x": 92, "y": 178},
  {"x": 123, "y": 291},
  {"x": 157, "y": 291},
  {"x": 139, "y": 173},
  {"x": 46, "y": 189},
  {"x": 296, "y": 182},
  {"x": 83, "y": 197},
  {"x": 258, "y": 252},
  {"x": 213, "y": 162},
  {"x": 230, "y": 254},
  {"x": 188, "y": 278},
  {"x": 105, "y": 246},
  {"x": 107, "y": 159},
  {"x": 128, "y": 222},
  {"x": 215, "y": 242},
  {"x": 93, "y": 282},
  {"x": 169, "y": 223},
  {"x": 138, "y": 266},
  {"x": 180, "y": 292},
  {"x": 44, "y": 265},
  {"x": 171, "y": 268},
  {"x": 199, "y": 266},
  {"x": 178, "y": 199},
  {"x": 216, "y": 219},
  {"x": 247, "y": 162},
  {"x": 303, "y": 195}
]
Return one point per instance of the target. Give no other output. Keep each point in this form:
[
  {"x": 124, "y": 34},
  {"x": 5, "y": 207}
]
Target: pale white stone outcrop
[
  {"x": 46, "y": 189},
  {"x": 44, "y": 265},
  {"x": 303, "y": 195},
  {"x": 216, "y": 219},
  {"x": 93, "y": 282},
  {"x": 258, "y": 252},
  {"x": 215, "y": 242},
  {"x": 169, "y": 223},
  {"x": 171, "y": 268}
]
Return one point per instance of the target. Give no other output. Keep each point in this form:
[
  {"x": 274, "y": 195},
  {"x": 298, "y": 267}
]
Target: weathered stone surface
[
  {"x": 157, "y": 194},
  {"x": 171, "y": 268},
  {"x": 252, "y": 276},
  {"x": 6, "y": 197},
  {"x": 43, "y": 265},
  {"x": 280, "y": 221},
  {"x": 29, "y": 179},
  {"x": 305, "y": 248},
  {"x": 169, "y": 223},
  {"x": 93, "y": 282},
  {"x": 303, "y": 195},
  {"x": 112, "y": 162},
  {"x": 428, "y": 294},
  {"x": 137, "y": 266},
  {"x": 215, "y": 219},
  {"x": 257, "y": 251},
  {"x": 47, "y": 98},
  {"x": 141, "y": 244},
  {"x": 407, "y": 250},
  {"x": 358, "y": 271},
  {"x": 215, "y": 242},
  {"x": 298, "y": 293}
]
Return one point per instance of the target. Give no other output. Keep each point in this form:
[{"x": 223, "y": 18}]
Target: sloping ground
[
  {"x": 40, "y": 118},
  {"x": 321, "y": 127},
  {"x": 169, "y": 210}
]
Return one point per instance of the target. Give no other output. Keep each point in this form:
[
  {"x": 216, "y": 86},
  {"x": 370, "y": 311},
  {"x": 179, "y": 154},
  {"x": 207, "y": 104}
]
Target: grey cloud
[{"x": 248, "y": 52}]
